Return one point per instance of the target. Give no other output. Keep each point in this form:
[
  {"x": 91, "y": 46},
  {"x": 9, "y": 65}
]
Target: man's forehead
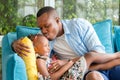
[{"x": 42, "y": 19}]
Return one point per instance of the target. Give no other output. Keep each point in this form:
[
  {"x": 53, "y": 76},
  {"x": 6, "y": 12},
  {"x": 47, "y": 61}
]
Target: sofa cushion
[
  {"x": 117, "y": 37},
  {"x": 104, "y": 32},
  {"x": 23, "y": 31},
  {"x": 12, "y": 64}
]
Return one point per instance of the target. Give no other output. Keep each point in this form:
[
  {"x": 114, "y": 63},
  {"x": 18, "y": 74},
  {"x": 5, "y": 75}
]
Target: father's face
[{"x": 48, "y": 26}]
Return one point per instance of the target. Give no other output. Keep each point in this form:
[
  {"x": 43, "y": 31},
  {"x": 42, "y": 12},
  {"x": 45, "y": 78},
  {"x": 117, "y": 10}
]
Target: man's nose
[{"x": 44, "y": 30}]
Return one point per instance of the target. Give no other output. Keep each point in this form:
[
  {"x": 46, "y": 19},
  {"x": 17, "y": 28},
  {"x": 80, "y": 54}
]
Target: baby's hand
[{"x": 56, "y": 65}]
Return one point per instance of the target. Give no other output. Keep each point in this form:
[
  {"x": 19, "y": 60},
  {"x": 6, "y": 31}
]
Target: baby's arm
[
  {"x": 56, "y": 75},
  {"x": 41, "y": 66},
  {"x": 105, "y": 66}
]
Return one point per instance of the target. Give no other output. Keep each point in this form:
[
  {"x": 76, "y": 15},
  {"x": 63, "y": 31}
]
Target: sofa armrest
[{"x": 13, "y": 67}]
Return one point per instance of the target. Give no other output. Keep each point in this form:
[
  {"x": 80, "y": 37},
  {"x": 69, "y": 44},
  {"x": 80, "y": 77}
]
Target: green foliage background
[
  {"x": 69, "y": 9},
  {"x": 9, "y": 17},
  {"x": 90, "y": 9}
]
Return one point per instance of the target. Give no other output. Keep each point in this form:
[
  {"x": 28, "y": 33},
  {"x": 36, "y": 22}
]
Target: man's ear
[{"x": 57, "y": 19}]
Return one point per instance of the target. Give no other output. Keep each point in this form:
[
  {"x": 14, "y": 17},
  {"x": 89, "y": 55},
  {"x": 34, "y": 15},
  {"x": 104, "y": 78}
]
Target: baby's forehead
[{"x": 41, "y": 39}]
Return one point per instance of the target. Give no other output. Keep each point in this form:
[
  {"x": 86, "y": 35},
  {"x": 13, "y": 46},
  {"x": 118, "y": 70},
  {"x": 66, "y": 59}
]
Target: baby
[
  {"x": 69, "y": 70},
  {"x": 41, "y": 47}
]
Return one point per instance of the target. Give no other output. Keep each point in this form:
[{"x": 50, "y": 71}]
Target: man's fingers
[
  {"x": 53, "y": 68},
  {"x": 20, "y": 52},
  {"x": 19, "y": 47},
  {"x": 22, "y": 47}
]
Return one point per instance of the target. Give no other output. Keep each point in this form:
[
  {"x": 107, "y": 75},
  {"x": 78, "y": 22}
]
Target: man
[{"x": 69, "y": 39}]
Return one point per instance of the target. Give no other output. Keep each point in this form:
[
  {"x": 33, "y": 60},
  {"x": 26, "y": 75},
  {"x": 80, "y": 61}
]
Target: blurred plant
[
  {"x": 69, "y": 9},
  {"x": 8, "y": 16},
  {"x": 29, "y": 20},
  {"x": 92, "y": 10}
]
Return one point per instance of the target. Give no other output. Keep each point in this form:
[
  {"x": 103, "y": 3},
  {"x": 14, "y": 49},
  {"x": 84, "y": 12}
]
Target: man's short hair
[{"x": 44, "y": 10}]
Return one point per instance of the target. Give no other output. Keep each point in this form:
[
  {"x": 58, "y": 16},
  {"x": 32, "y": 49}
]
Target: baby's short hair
[
  {"x": 32, "y": 36},
  {"x": 37, "y": 39}
]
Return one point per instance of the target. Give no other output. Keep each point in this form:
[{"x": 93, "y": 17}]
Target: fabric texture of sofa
[{"x": 13, "y": 67}]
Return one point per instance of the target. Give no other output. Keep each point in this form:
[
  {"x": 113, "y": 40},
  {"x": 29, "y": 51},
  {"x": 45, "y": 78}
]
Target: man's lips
[{"x": 46, "y": 35}]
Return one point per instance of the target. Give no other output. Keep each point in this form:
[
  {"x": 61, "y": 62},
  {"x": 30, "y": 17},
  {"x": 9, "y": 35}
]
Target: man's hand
[
  {"x": 19, "y": 47},
  {"x": 56, "y": 65}
]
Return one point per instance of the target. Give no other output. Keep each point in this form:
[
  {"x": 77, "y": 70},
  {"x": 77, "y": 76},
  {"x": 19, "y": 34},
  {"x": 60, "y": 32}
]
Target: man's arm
[
  {"x": 99, "y": 58},
  {"x": 105, "y": 66}
]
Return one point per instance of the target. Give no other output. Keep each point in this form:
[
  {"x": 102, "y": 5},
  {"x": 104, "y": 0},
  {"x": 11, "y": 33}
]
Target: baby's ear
[{"x": 57, "y": 19}]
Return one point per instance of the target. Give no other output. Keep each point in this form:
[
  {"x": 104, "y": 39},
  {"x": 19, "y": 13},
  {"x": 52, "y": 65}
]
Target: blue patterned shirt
[{"x": 81, "y": 36}]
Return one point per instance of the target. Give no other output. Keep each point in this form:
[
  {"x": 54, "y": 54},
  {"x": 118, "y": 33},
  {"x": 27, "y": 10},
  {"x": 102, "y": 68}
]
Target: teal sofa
[{"x": 13, "y": 67}]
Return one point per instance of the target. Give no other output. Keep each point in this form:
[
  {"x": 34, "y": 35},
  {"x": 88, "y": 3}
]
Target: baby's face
[{"x": 42, "y": 47}]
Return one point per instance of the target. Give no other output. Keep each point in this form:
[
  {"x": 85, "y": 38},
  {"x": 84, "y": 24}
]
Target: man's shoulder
[
  {"x": 76, "y": 20},
  {"x": 77, "y": 24}
]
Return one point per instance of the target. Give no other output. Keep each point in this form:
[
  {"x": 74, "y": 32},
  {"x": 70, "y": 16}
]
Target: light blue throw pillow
[
  {"x": 117, "y": 37},
  {"x": 23, "y": 31},
  {"x": 104, "y": 32}
]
